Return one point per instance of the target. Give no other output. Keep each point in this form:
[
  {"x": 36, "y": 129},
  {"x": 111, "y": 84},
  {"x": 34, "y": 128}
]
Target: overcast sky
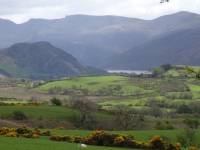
[{"x": 22, "y": 10}]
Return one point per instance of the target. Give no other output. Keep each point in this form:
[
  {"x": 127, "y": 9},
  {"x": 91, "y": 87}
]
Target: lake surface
[{"x": 137, "y": 72}]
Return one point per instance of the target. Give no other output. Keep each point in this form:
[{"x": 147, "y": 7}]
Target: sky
[{"x": 21, "y": 11}]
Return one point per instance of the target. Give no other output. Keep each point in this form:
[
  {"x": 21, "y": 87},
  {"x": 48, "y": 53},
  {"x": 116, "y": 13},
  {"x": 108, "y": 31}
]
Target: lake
[{"x": 137, "y": 72}]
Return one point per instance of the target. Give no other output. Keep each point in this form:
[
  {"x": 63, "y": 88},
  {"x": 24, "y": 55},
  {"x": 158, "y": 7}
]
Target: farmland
[
  {"x": 135, "y": 92},
  {"x": 41, "y": 144},
  {"x": 95, "y": 84},
  {"x": 143, "y": 135},
  {"x": 142, "y": 106}
]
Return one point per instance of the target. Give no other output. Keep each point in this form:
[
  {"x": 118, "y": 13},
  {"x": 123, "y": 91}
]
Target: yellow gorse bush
[
  {"x": 98, "y": 137},
  {"x": 101, "y": 138},
  {"x": 23, "y": 132},
  {"x": 193, "y": 148},
  {"x": 119, "y": 139}
]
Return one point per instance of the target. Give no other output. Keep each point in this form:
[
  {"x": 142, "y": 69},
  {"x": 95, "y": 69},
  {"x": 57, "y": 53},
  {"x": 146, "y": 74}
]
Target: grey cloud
[{"x": 22, "y": 10}]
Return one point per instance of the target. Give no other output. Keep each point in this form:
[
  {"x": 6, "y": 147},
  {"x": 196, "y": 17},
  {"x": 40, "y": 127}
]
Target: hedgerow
[
  {"x": 98, "y": 138},
  {"x": 101, "y": 138},
  {"x": 23, "y": 132}
]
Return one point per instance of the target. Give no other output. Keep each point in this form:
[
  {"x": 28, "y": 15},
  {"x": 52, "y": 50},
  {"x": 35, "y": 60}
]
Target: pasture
[
  {"x": 141, "y": 135},
  {"x": 45, "y": 112},
  {"x": 44, "y": 144},
  {"x": 113, "y": 84}
]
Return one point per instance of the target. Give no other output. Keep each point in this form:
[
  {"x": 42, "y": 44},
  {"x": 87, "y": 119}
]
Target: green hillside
[
  {"x": 96, "y": 84},
  {"x": 39, "y": 60}
]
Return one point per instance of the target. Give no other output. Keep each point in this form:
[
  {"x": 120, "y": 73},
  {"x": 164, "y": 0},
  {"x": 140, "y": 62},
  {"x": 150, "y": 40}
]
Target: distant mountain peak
[
  {"x": 179, "y": 14},
  {"x": 185, "y": 13},
  {"x": 5, "y": 21}
]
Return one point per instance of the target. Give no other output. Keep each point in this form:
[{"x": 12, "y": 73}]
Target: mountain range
[{"x": 114, "y": 42}]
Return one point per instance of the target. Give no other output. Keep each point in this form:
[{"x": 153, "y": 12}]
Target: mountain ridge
[
  {"x": 118, "y": 16},
  {"x": 94, "y": 40}
]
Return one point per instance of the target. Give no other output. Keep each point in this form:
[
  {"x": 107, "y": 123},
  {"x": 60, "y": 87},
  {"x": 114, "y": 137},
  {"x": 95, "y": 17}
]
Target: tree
[
  {"x": 159, "y": 71},
  {"x": 87, "y": 115},
  {"x": 126, "y": 118},
  {"x": 56, "y": 102},
  {"x": 187, "y": 138},
  {"x": 18, "y": 115},
  {"x": 192, "y": 123},
  {"x": 166, "y": 67},
  {"x": 192, "y": 70},
  {"x": 184, "y": 109},
  {"x": 156, "y": 111}
]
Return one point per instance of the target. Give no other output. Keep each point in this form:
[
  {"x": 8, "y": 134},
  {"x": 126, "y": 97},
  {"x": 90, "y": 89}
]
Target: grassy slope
[
  {"x": 48, "y": 112},
  {"x": 92, "y": 83},
  {"x": 195, "y": 90},
  {"x": 143, "y": 85},
  {"x": 134, "y": 103},
  {"x": 42, "y": 144},
  {"x": 39, "y": 111}
]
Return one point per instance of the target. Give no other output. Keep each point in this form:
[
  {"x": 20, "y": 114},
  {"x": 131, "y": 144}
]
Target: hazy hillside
[
  {"x": 89, "y": 38},
  {"x": 38, "y": 60},
  {"x": 181, "y": 47},
  {"x": 94, "y": 40}
]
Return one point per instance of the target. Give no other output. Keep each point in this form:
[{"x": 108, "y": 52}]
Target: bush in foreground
[
  {"x": 23, "y": 132},
  {"x": 56, "y": 102},
  {"x": 101, "y": 138},
  {"x": 18, "y": 115}
]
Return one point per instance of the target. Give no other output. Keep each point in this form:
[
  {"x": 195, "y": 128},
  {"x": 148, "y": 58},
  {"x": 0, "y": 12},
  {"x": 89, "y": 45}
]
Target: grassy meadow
[
  {"x": 42, "y": 144},
  {"x": 141, "y": 135},
  {"x": 94, "y": 84}
]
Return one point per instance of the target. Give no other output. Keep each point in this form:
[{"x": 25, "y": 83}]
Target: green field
[
  {"x": 45, "y": 112},
  {"x": 169, "y": 92},
  {"x": 94, "y": 84},
  {"x": 141, "y": 135},
  {"x": 43, "y": 144},
  {"x": 195, "y": 90},
  {"x": 48, "y": 112},
  {"x": 137, "y": 92}
]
